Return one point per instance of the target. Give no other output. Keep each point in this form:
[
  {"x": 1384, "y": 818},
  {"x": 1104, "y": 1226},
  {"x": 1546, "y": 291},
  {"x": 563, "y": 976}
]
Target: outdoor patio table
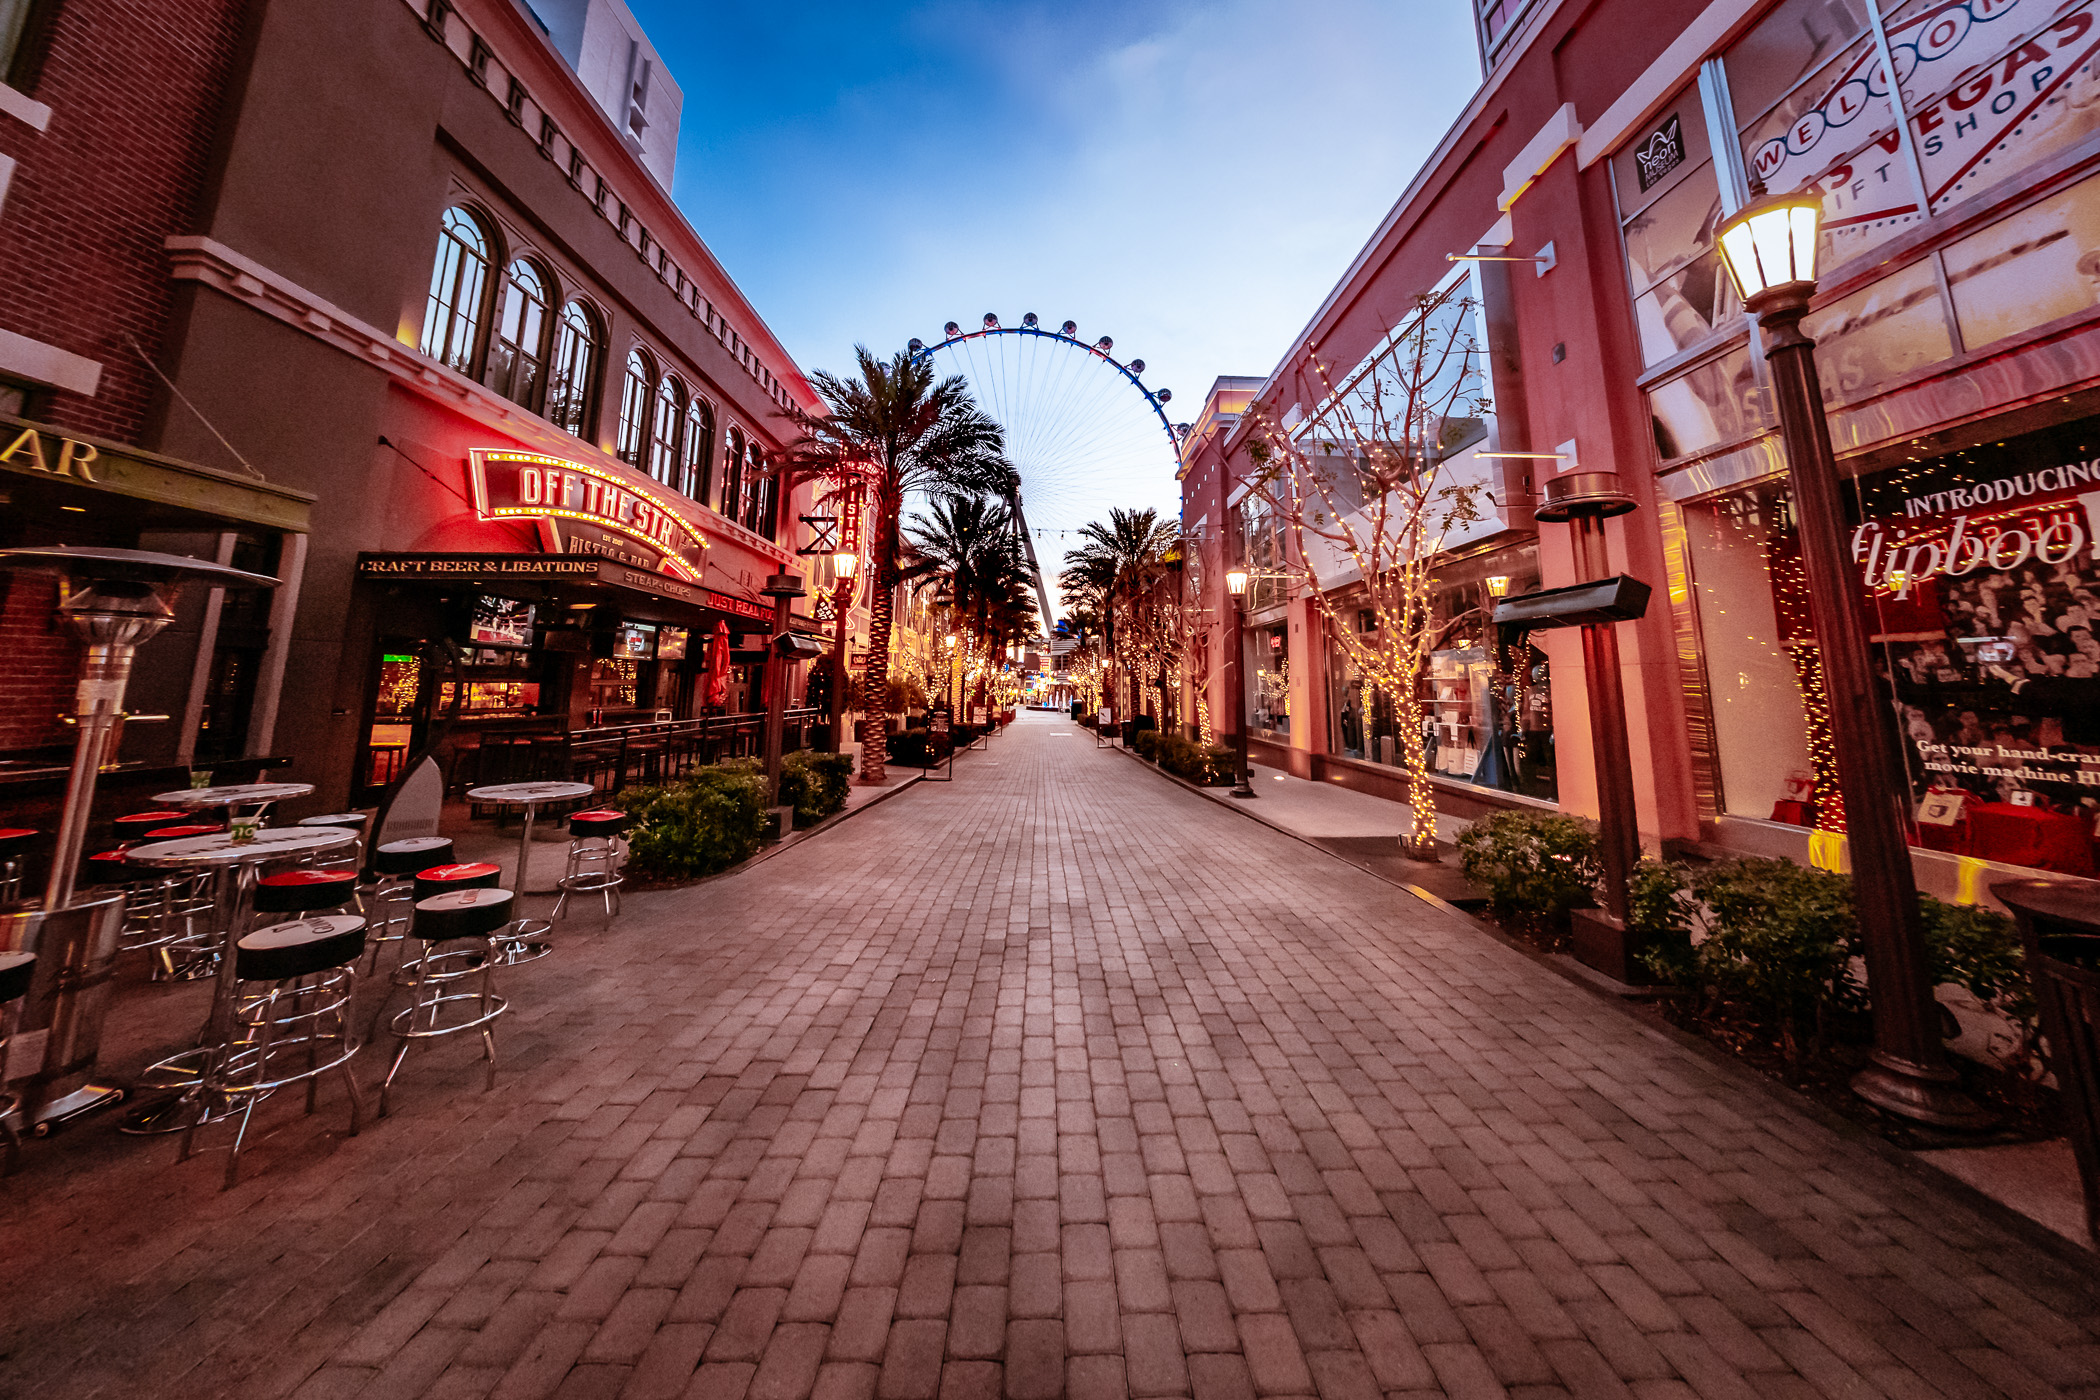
[
  {"x": 233, "y": 865},
  {"x": 531, "y": 797},
  {"x": 259, "y": 796}
]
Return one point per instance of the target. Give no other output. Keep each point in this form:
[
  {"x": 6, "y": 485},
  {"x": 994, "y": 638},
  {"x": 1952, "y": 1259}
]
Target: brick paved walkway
[{"x": 1057, "y": 1079}]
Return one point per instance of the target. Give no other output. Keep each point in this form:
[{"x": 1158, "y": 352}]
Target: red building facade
[
  {"x": 1959, "y": 341},
  {"x": 521, "y": 407}
]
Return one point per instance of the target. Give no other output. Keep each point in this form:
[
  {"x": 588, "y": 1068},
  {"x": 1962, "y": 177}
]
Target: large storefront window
[
  {"x": 1487, "y": 698},
  {"x": 1981, "y": 592}
]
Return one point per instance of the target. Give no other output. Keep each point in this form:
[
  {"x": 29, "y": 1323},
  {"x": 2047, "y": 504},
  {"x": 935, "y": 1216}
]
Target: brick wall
[
  {"x": 135, "y": 88},
  {"x": 43, "y": 662}
]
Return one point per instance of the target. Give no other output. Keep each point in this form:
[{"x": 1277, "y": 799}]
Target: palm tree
[
  {"x": 897, "y": 430},
  {"x": 1114, "y": 564},
  {"x": 969, "y": 549}
]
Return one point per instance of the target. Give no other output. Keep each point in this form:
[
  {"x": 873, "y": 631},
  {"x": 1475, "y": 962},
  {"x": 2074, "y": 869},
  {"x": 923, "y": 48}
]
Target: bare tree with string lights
[{"x": 1364, "y": 480}]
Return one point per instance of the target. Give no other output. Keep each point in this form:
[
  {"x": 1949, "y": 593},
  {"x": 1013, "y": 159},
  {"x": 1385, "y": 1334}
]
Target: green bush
[
  {"x": 1534, "y": 866},
  {"x": 1146, "y": 742},
  {"x": 914, "y": 748},
  {"x": 1660, "y": 916},
  {"x": 1979, "y": 950},
  {"x": 1780, "y": 938},
  {"x": 706, "y": 821},
  {"x": 1185, "y": 758},
  {"x": 815, "y": 784}
]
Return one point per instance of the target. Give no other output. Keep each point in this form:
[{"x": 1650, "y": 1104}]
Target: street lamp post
[
  {"x": 1770, "y": 249},
  {"x": 1235, "y": 676},
  {"x": 783, "y": 589},
  {"x": 844, "y": 566}
]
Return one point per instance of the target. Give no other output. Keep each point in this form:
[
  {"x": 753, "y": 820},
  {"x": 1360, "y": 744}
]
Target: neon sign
[{"x": 593, "y": 502}]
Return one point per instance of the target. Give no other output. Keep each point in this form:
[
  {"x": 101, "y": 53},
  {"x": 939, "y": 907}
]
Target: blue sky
[{"x": 1190, "y": 178}]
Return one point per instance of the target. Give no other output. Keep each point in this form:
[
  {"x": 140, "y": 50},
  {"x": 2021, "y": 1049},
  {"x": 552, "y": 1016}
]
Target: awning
[
  {"x": 136, "y": 489},
  {"x": 642, "y": 593}
]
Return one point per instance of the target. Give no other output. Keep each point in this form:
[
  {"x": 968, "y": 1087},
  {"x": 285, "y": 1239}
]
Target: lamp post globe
[{"x": 1769, "y": 247}]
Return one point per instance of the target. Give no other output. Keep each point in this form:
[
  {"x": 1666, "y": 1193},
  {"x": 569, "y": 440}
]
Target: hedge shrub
[
  {"x": 815, "y": 784},
  {"x": 706, "y": 821},
  {"x": 1534, "y": 866}
]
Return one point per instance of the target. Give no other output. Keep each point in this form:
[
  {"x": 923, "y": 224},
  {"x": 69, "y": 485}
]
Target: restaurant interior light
[
  {"x": 1498, "y": 585},
  {"x": 1769, "y": 246}
]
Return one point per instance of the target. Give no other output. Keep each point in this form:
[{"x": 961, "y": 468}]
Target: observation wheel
[{"x": 1083, "y": 431}]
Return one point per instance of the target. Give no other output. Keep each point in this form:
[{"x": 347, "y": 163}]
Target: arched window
[
  {"x": 575, "y": 369},
  {"x": 663, "y": 437},
  {"x": 636, "y": 397},
  {"x": 760, "y": 487},
  {"x": 699, "y": 453},
  {"x": 518, "y": 349},
  {"x": 458, "y": 287},
  {"x": 732, "y": 502}
]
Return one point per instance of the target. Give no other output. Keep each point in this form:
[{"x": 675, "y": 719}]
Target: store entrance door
[{"x": 396, "y": 719}]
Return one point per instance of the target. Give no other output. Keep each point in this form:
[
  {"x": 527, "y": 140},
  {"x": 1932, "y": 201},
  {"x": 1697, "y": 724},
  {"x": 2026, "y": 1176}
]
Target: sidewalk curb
[{"x": 2059, "y": 1247}]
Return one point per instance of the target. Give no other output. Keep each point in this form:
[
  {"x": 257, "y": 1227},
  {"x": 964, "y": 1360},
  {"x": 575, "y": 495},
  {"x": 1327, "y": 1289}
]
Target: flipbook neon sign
[{"x": 509, "y": 485}]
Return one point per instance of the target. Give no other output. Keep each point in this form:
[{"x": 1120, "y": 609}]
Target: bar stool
[
  {"x": 304, "y": 891},
  {"x": 594, "y": 858},
  {"x": 394, "y": 865},
  {"x": 14, "y": 844},
  {"x": 138, "y": 826},
  {"x": 17, "y": 970},
  {"x": 441, "y": 879},
  {"x": 350, "y": 857},
  {"x": 291, "y": 1019},
  {"x": 479, "y": 918}
]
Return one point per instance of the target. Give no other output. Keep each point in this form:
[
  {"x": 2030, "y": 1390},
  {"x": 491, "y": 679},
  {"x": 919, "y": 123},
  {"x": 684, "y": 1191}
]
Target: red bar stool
[
  {"x": 476, "y": 920},
  {"x": 393, "y": 868},
  {"x": 14, "y": 844},
  {"x": 594, "y": 858},
  {"x": 523, "y": 941},
  {"x": 304, "y": 891},
  {"x": 291, "y": 1019},
  {"x": 17, "y": 971},
  {"x": 441, "y": 879},
  {"x": 139, "y": 826}
]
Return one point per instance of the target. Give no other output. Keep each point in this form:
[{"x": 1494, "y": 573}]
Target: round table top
[
  {"x": 273, "y": 844},
  {"x": 228, "y": 796},
  {"x": 527, "y": 793}
]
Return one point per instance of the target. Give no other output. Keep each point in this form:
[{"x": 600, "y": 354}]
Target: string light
[{"x": 1388, "y": 509}]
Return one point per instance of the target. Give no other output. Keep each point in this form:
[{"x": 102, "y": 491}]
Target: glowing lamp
[
  {"x": 845, "y": 563},
  {"x": 1236, "y": 582},
  {"x": 1498, "y": 585},
  {"x": 1770, "y": 249}
]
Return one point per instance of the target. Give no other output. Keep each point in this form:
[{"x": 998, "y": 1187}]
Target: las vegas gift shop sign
[{"x": 584, "y": 509}]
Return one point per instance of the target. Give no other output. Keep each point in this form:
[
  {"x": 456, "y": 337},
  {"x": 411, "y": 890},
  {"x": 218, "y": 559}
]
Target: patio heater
[{"x": 114, "y": 600}]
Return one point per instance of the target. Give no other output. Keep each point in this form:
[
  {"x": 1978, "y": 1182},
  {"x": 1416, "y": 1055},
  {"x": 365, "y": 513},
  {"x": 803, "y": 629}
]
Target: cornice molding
[{"x": 196, "y": 258}]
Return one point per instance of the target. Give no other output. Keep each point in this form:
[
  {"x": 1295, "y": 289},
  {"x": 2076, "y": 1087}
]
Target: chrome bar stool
[
  {"x": 350, "y": 857},
  {"x": 477, "y": 918},
  {"x": 303, "y": 891},
  {"x": 14, "y": 844},
  {"x": 594, "y": 858},
  {"x": 393, "y": 868},
  {"x": 167, "y": 914},
  {"x": 17, "y": 971},
  {"x": 291, "y": 1019}
]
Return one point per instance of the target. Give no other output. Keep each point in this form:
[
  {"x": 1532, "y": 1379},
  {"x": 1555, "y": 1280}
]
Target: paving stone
[{"x": 976, "y": 1095}]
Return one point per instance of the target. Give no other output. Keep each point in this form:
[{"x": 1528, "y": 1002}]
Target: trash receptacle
[
  {"x": 59, "y": 1033},
  {"x": 2060, "y": 929}
]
